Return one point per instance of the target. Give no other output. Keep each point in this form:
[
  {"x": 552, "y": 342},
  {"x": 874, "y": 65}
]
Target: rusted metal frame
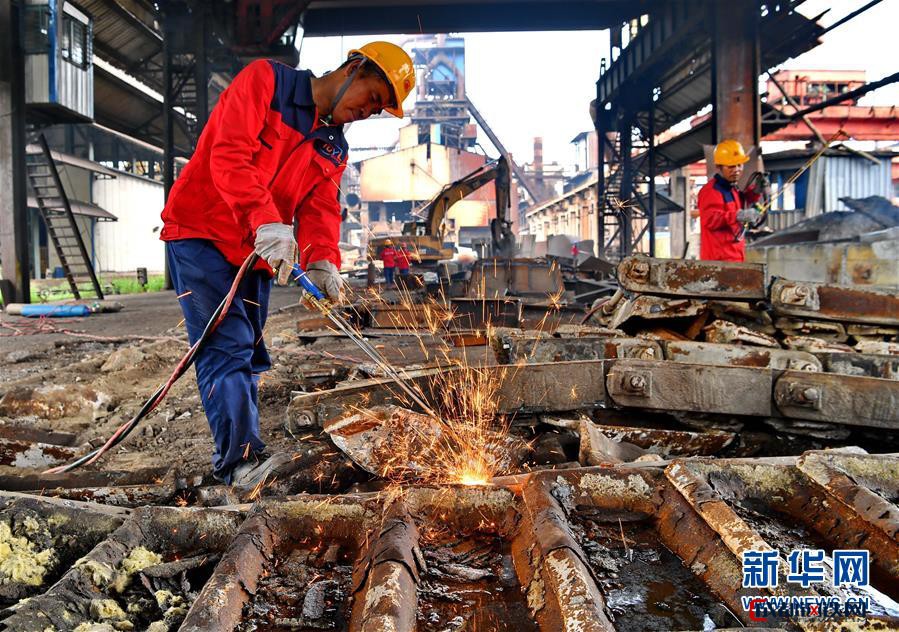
[
  {"x": 220, "y": 604},
  {"x": 877, "y": 518},
  {"x": 835, "y": 398},
  {"x": 786, "y": 490},
  {"x": 835, "y": 302},
  {"x": 169, "y": 531},
  {"x": 534, "y": 388},
  {"x": 31, "y": 434},
  {"x": 702, "y": 550},
  {"x": 670, "y": 442},
  {"x": 674, "y": 386},
  {"x": 513, "y": 349},
  {"x": 400, "y": 316},
  {"x": 489, "y": 507},
  {"x": 704, "y": 279},
  {"x": 385, "y": 579},
  {"x": 867, "y": 364},
  {"x": 86, "y": 479},
  {"x": 120, "y": 489},
  {"x": 371, "y": 439},
  {"x": 738, "y": 355},
  {"x": 552, "y": 569}
]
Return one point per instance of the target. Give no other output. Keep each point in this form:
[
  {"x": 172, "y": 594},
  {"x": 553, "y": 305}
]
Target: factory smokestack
[{"x": 538, "y": 162}]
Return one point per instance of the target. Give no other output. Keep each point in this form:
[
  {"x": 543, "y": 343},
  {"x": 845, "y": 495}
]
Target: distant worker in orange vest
[
  {"x": 723, "y": 208},
  {"x": 388, "y": 257},
  {"x": 402, "y": 260}
]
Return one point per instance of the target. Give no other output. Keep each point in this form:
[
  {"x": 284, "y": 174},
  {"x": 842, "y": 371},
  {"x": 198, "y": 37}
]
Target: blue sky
[{"x": 540, "y": 83}]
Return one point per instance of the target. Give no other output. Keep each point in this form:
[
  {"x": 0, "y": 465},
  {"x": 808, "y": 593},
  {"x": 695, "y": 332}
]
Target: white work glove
[
  {"x": 275, "y": 243},
  {"x": 748, "y": 216},
  {"x": 326, "y": 278}
]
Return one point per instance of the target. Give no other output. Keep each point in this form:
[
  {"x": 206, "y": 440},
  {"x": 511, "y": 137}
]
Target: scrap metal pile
[{"x": 601, "y": 470}]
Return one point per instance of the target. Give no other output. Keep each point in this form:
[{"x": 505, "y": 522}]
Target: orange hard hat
[
  {"x": 729, "y": 152},
  {"x": 397, "y": 67}
]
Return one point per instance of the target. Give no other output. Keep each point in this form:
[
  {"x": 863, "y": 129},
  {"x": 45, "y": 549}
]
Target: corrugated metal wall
[
  {"x": 133, "y": 241},
  {"x": 37, "y": 83},
  {"x": 75, "y": 87},
  {"x": 853, "y": 176}
]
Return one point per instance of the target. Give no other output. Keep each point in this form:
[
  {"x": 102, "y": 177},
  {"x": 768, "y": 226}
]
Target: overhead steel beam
[{"x": 368, "y": 17}]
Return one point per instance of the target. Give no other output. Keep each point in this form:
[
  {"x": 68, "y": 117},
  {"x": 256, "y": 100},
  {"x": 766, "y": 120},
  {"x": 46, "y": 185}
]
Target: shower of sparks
[{"x": 461, "y": 438}]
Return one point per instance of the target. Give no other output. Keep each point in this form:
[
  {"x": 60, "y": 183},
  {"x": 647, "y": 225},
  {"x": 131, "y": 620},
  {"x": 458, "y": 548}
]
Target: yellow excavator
[{"x": 424, "y": 238}]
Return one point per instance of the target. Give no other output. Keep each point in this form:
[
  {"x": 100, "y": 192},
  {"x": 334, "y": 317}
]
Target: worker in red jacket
[
  {"x": 270, "y": 156},
  {"x": 402, "y": 260},
  {"x": 723, "y": 208},
  {"x": 388, "y": 258}
]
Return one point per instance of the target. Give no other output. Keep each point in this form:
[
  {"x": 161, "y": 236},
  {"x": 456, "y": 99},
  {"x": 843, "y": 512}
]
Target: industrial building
[{"x": 259, "y": 374}]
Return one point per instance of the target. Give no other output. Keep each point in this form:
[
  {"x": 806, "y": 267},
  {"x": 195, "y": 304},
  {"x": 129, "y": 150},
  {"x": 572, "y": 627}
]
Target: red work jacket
[
  {"x": 719, "y": 202},
  {"x": 402, "y": 259},
  {"x": 262, "y": 158},
  {"x": 388, "y": 256}
]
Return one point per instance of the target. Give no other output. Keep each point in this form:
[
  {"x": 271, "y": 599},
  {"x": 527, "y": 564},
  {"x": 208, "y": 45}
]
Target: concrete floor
[{"x": 150, "y": 314}]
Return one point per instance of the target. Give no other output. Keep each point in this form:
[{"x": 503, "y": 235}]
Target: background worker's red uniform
[
  {"x": 388, "y": 257},
  {"x": 262, "y": 158},
  {"x": 402, "y": 260},
  {"x": 719, "y": 202}
]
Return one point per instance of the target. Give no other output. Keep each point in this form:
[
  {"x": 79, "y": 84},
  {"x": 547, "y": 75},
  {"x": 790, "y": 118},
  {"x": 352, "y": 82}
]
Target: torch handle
[{"x": 300, "y": 275}]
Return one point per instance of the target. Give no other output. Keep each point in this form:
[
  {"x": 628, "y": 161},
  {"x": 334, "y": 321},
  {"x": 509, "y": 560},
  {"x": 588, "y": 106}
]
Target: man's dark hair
[{"x": 369, "y": 69}]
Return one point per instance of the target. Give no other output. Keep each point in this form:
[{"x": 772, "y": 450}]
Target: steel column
[
  {"x": 625, "y": 212},
  {"x": 168, "y": 121},
  {"x": 14, "y": 254},
  {"x": 201, "y": 64},
  {"x": 651, "y": 225},
  {"x": 737, "y": 109},
  {"x": 600, "y": 178}
]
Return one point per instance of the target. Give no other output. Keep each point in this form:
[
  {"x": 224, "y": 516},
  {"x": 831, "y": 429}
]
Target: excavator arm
[{"x": 496, "y": 170}]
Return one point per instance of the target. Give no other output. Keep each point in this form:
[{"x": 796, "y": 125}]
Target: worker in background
[
  {"x": 388, "y": 258},
  {"x": 271, "y": 156},
  {"x": 402, "y": 260},
  {"x": 723, "y": 208}
]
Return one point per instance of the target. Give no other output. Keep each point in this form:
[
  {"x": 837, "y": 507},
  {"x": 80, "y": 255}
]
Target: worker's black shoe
[{"x": 260, "y": 468}]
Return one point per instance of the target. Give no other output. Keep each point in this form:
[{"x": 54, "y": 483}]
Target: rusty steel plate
[
  {"x": 739, "y": 355},
  {"x": 704, "y": 279},
  {"x": 836, "y": 302},
  {"x": 687, "y": 387},
  {"x": 834, "y": 398}
]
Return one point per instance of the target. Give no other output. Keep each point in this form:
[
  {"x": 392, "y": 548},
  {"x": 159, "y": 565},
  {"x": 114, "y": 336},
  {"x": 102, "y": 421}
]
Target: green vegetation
[{"x": 111, "y": 287}]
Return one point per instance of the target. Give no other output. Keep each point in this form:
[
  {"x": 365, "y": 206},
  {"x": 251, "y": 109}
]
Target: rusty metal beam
[
  {"x": 846, "y": 303},
  {"x": 739, "y": 355},
  {"x": 704, "y": 279},
  {"x": 685, "y": 387},
  {"x": 552, "y": 568},
  {"x": 385, "y": 579},
  {"x": 520, "y": 389},
  {"x": 833, "y": 398}
]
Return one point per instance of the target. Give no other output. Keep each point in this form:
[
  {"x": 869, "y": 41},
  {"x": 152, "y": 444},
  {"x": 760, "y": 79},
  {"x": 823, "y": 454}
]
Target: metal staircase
[{"x": 60, "y": 221}]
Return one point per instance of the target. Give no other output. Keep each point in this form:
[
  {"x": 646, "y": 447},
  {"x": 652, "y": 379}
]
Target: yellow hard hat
[
  {"x": 396, "y": 65},
  {"x": 388, "y": 243},
  {"x": 729, "y": 153}
]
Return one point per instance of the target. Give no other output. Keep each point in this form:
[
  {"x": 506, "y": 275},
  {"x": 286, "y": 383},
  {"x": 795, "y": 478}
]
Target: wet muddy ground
[
  {"x": 306, "y": 588},
  {"x": 470, "y": 584},
  {"x": 646, "y": 587}
]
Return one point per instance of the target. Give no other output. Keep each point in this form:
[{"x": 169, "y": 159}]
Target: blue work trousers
[
  {"x": 230, "y": 363},
  {"x": 388, "y": 276}
]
